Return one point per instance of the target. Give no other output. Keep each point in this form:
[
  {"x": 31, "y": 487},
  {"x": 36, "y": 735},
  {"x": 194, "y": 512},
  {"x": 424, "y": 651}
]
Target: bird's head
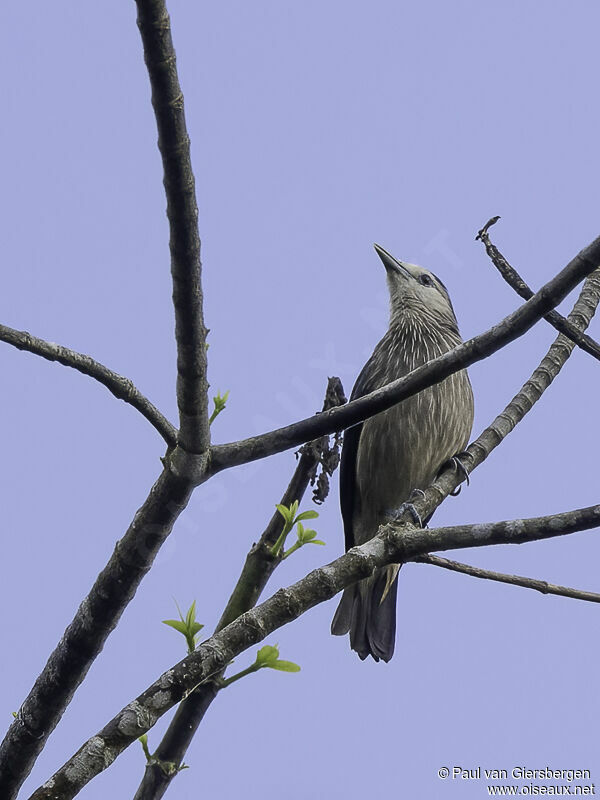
[{"x": 416, "y": 292}]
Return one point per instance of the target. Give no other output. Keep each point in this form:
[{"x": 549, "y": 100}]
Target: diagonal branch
[
  {"x": 83, "y": 640},
  {"x": 515, "y": 580},
  {"x": 122, "y": 388},
  {"x": 182, "y": 211},
  {"x": 393, "y": 543},
  {"x": 476, "y": 349},
  {"x": 512, "y": 277},
  {"x": 257, "y": 570}
]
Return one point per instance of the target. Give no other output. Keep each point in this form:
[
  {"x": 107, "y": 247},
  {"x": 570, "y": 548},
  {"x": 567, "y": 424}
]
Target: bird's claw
[
  {"x": 398, "y": 513},
  {"x": 459, "y": 467}
]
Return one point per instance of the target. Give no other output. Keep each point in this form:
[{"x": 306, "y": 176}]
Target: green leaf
[
  {"x": 316, "y": 541},
  {"x": 177, "y": 624},
  {"x": 284, "y": 511},
  {"x": 308, "y": 534},
  {"x": 310, "y": 514},
  {"x": 191, "y": 615},
  {"x": 285, "y": 666},
  {"x": 195, "y": 627},
  {"x": 219, "y": 402},
  {"x": 267, "y": 655}
]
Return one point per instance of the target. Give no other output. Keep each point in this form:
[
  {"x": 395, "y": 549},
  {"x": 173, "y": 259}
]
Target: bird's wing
[
  {"x": 348, "y": 491},
  {"x": 366, "y": 382}
]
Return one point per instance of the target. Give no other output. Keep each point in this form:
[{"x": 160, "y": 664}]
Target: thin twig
[
  {"x": 122, "y": 388},
  {"x": 258, "y": 568},
  {"x": 476, "y": 349},
  {"x": 182, "y": 211},
  {"x": 394, "y": 543},
  {"x": 515, "y": 580},
  {"x": 512, "y": 277}
]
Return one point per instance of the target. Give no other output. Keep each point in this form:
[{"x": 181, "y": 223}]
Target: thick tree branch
[
  {"x": 515, "y": 580},
  {"x": 122, "y": 388},
  {"x": 257, "y": 570},
  {"x": 182, "y": 211},
  {"x": 512, "y": 277},
  {"x": 476, "y": 349},
  {"x": 83, "y": 640},
  {"x": 394, "y": 543}
]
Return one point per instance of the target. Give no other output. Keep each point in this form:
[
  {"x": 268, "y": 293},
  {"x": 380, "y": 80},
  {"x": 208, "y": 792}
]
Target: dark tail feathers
[{"x": 371, "y": 623}]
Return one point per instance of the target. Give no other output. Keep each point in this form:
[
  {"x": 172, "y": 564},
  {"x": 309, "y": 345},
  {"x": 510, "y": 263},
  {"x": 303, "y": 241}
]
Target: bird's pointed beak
[{"x": 390, "y": 263}]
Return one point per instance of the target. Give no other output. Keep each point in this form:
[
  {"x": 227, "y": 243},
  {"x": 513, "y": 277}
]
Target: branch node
[{"x": 191, "y": 467}]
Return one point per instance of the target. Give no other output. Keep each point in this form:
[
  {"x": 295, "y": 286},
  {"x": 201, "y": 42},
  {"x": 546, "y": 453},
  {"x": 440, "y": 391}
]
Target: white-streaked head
[{"x": 415, "y": 291}]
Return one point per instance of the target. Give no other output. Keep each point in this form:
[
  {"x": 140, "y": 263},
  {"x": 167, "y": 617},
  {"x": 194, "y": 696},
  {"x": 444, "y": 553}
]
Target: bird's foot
[
  {"x": 397, "y": 514},
  {"x": 458, "y": 466}
]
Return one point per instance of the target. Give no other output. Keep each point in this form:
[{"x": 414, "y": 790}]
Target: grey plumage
[{"x": 387, "y": 457}]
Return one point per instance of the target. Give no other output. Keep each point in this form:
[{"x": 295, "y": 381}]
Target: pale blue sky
[{"x": 317, "y": 129}]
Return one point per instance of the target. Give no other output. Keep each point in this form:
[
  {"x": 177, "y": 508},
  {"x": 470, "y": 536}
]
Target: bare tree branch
[
  {"x": 83, "y": 640},
  {"x": 394, "y": 543},
  {"x": 512, "y": 277},
  {"x": 122, "y": 388},
  {"x": 257, "y": 570},
  {"x": 515, "y": 580},
  {"x": 476, "y": 349},
  {"x": 182, "y": 211}
]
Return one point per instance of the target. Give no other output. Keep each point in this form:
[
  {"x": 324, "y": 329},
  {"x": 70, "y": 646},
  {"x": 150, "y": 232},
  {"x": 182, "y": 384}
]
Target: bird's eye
[{"x": 425, "y": 280}]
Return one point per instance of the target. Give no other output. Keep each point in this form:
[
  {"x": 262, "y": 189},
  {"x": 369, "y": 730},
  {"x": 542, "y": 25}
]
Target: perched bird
[{"x": 389, "y": 456}]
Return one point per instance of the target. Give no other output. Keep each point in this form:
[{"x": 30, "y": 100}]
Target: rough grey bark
[
  {"x": 394, "y": 543},
  {"x": 182, "y": 211},
  {"x": 83, "y": 640}
]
